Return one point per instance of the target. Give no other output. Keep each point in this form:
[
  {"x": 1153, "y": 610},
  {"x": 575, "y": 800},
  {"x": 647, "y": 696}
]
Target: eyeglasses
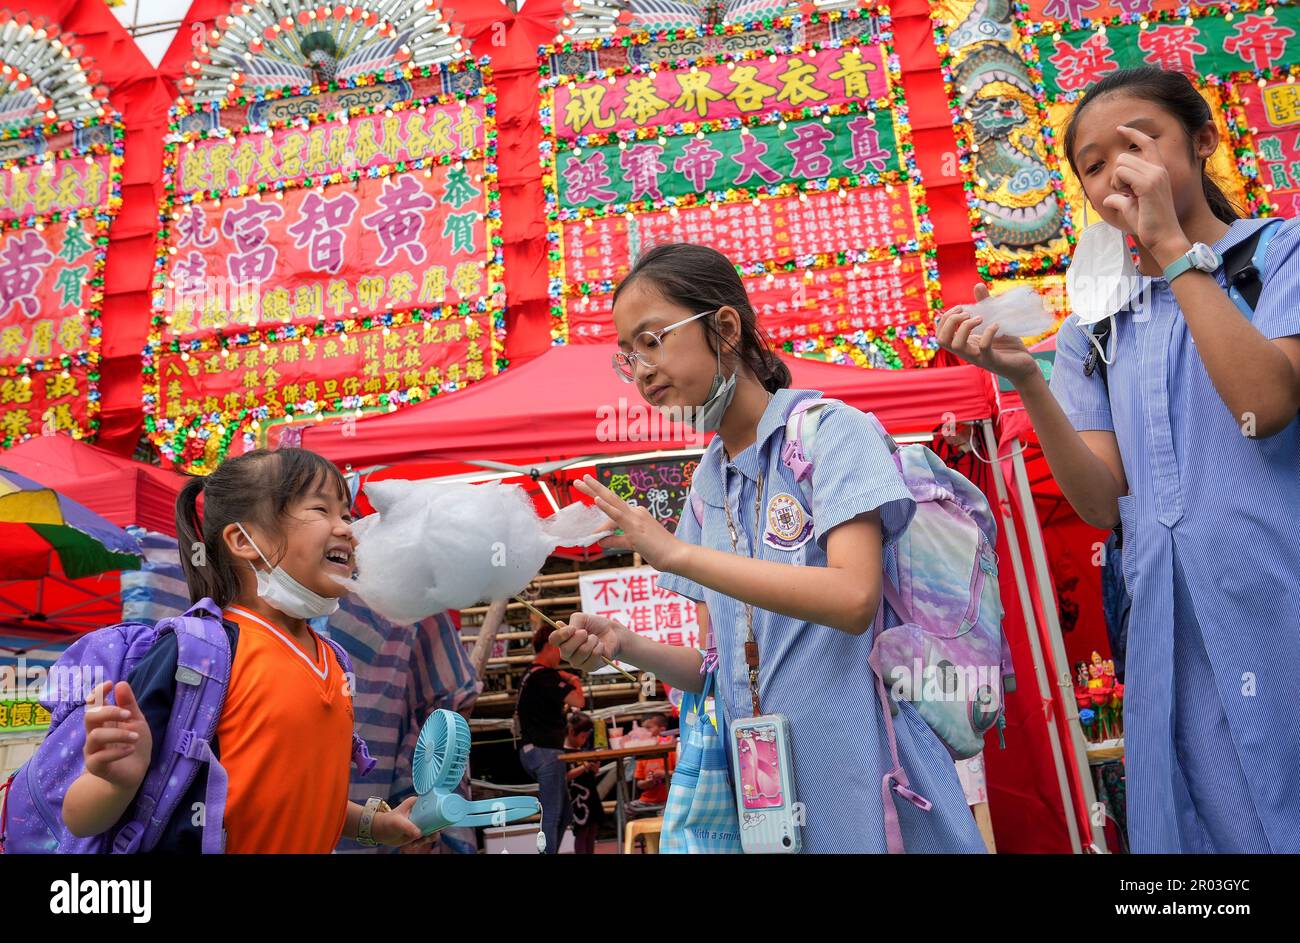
[{"x": 647, "y": 349}]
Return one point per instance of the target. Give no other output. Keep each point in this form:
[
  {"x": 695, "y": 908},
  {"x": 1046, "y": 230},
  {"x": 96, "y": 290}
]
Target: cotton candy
[
  {"x": 432, "y": 546},
  {"x": 1017, "y": 313}
]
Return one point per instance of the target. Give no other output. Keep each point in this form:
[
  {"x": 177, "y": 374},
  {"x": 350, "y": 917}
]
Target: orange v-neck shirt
[{"x": 285, "y": 738}]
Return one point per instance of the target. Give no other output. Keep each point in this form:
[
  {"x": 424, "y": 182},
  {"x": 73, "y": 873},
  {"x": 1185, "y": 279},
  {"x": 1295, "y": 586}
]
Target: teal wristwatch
[{"x": 1200, "y": 257}]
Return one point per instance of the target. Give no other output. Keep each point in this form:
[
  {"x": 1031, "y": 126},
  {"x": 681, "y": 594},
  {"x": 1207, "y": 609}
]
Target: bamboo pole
[
  {"x": 553, "y": 624},
  {"x": 507, "y": 636},
  {"x": 544, "y": 601},
  {"x": 479, "y": 657}
]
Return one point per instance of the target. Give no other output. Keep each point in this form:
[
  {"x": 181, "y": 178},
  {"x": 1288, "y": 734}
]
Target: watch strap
[
  {"x": 374, "y": 806},
  {"x": 1178, "y": 266},
  {"x": 1187, "y": 261}
]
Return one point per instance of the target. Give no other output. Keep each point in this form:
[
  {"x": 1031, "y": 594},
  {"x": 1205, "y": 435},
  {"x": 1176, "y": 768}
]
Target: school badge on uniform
[{"x": 788, "y": 525}]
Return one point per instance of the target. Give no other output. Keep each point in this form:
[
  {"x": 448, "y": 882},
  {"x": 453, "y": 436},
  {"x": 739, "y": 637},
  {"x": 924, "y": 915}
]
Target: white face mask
[
  {"x": 1101, "y": 277},
  {"x": 285, "y": 593},
  {"x": 707, "y": 417}
]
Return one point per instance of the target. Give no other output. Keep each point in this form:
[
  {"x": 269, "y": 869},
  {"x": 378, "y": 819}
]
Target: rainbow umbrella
[{"x": 37, "y": 523}]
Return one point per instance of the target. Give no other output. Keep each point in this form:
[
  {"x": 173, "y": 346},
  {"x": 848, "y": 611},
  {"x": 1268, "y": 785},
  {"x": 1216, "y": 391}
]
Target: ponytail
[
  {"x": 1222, "y": 207},
  {"x": 200, "y": 558}
]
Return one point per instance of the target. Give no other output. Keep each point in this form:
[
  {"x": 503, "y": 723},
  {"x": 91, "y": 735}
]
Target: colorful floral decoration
[
  {"x": 60, "y": 189},
  {"x": 818, "y": 275},
  {"x": 1263, "y": 118},
  {"x": 1018, "y": 212},
  {"x": 359, "y": 68},
  {"x": 1220, "y": 47},
  {"x": 1064, "y": 46}
]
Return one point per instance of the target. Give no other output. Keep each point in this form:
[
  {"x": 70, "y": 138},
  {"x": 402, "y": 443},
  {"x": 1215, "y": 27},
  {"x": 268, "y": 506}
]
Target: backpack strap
[
  {"x": 1243, "y": 267},
  {"x": 895, "y": 779},
  {"x": 800, "y": 436},
  {"x": 202, "y": 678},
  {"x": 1094, "y": 361},
  {"x": 360, "y": 752},
  {"x": 797, "y": 454}
]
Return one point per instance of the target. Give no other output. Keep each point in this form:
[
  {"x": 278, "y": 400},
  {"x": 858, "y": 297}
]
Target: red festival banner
[
  {"x": 55, "y": 213},
  {"x": 313, "y": 374},
  {"x": 385, "y": 243},
  {"x": 802, "y": 310},
  {"x": 785, "y": 147},
  {"x": 1272, "y": 111},
  {"x": 358, "y": 144},
  {"x": 720, "y": 91},
  {"x": 60, "y": 189},
  {"x": 330, "y": 252},
  {"x": 58, "y": 185}
]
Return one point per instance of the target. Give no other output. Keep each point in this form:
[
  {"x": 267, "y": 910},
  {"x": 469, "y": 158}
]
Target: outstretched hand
[
  {"x": 1002, "y": 354},
  {"x": 641, "y": 531},
  {"x": 586, "y": 638}
]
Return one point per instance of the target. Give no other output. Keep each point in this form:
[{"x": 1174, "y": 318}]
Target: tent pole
[
  {"x": 1031, "y": 624},
  {"x": 1038, "y": 555}
]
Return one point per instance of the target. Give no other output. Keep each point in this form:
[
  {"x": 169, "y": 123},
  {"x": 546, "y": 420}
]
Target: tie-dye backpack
[{"x": 948, "y": 655}]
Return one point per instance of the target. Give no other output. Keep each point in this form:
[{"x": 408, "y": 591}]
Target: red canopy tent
[
  {"x": 55, "y": 608},
  {"x": 551, "y": 408},
  {"x": 119, "y": 489},
  {"x": 547, "y": 414}
]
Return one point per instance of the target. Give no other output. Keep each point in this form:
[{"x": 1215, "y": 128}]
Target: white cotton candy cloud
[
  {"x": 433, "y": 546},
  {"x": 1017, "y": 313}
]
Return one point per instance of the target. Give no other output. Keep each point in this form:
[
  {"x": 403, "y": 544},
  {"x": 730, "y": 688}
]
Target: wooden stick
[{"x": 555, "y": 625}]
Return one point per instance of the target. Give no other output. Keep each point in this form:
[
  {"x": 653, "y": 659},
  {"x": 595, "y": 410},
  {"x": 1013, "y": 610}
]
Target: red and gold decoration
[
  {"x": 60, "y": 188},
  {"x": 784, "y": 142},
  {"x": 328, "y": 241},
  {"x": 1015, "y": 71}
]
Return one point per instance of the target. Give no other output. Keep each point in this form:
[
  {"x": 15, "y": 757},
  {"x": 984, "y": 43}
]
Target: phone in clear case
[{"x": 763, "y": 772}]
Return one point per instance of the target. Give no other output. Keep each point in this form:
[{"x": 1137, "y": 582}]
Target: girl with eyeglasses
[{"x": 799, "y": 583}]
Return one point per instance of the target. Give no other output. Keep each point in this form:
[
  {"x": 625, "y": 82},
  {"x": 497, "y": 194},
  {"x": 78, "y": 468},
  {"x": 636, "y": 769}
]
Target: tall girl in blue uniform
[
  {"x": 1193, "y": 443},
  {"x": 688, "y": 339}
]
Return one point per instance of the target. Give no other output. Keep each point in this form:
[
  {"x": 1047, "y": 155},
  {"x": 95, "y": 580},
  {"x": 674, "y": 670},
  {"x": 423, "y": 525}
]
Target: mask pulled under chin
[
  {"x": 1101, "y": 276},
  {"x": 285, "y": 593},
  {"x": 708, "y": 416},
  {"x": 1100, "y": 279}
]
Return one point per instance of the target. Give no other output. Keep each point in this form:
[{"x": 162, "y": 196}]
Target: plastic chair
[{"x": 646, "y": 829}]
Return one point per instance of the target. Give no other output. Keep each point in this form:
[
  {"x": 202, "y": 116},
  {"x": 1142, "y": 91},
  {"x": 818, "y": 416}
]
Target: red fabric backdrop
[{"x": 138, "y": 94}]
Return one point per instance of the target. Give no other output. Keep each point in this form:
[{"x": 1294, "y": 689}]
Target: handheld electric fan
[{"x": 439, "y": 763}]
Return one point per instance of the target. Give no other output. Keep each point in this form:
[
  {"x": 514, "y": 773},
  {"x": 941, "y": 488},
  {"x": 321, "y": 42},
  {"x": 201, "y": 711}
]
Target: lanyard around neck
[{"x": 751, "y": 643}]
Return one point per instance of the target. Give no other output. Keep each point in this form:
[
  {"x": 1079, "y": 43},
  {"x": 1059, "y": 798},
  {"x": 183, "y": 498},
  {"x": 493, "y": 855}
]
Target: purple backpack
[
  {"x": 32, "y": 815},
  {"x": 947, "y": 655}
]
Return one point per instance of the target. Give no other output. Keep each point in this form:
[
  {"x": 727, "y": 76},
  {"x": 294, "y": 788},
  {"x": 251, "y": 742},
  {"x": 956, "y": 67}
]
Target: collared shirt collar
[{"x": 708, "y": 475}]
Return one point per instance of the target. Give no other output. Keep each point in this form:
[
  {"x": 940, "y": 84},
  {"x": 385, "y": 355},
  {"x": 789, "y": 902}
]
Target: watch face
[{"x": 1204, "y": 258}]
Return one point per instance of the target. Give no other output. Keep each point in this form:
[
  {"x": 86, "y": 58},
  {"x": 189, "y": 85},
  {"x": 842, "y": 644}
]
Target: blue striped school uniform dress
[
  {"x": 818, "y": 677},
  {"x": 1212, "y": 559}
]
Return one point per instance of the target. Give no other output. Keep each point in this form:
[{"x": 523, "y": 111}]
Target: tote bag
[{"x": 700, "y": 817}]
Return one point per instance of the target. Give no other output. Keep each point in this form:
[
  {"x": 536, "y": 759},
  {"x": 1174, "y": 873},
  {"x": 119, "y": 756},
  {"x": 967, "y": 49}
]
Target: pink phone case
[{"x": 770, "y": 816}]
